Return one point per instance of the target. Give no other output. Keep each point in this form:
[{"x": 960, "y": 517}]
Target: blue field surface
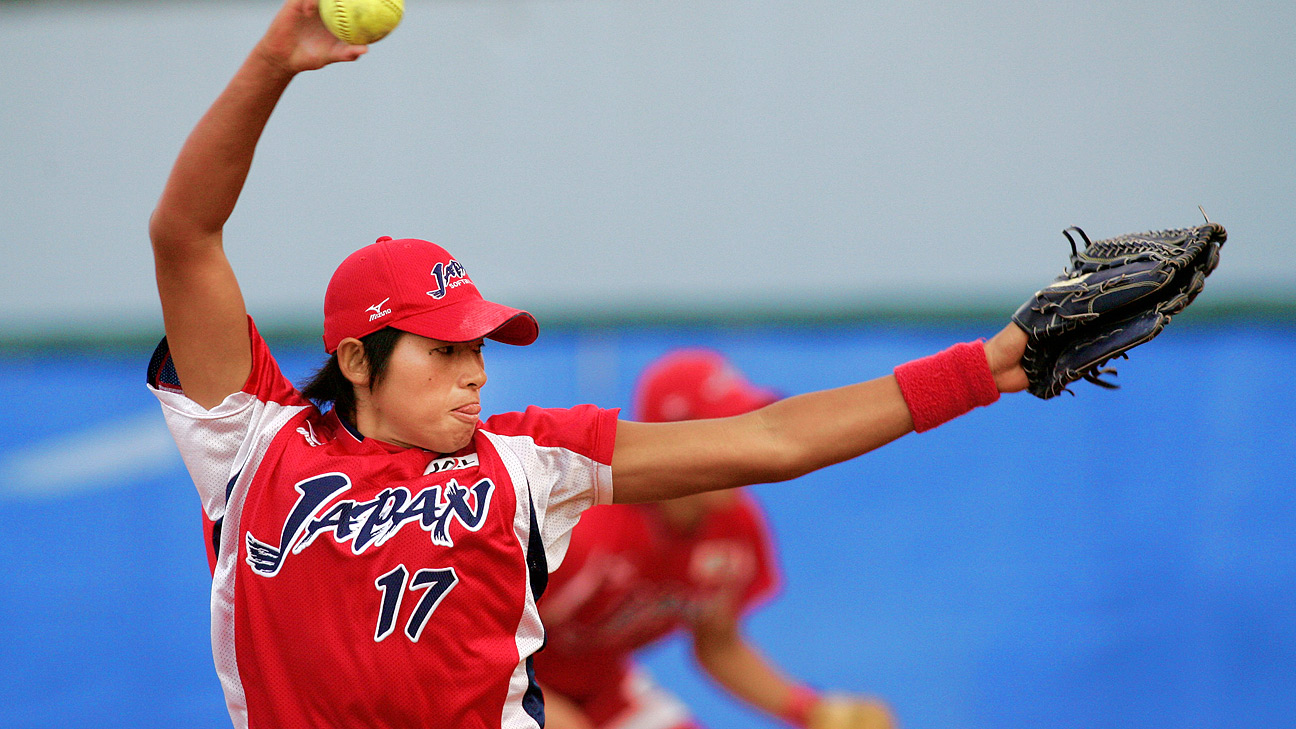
[{"x": 1113, "y": 559}]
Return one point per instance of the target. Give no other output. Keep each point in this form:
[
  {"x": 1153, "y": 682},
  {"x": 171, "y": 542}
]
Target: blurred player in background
[{"x": 635, "y": 573}]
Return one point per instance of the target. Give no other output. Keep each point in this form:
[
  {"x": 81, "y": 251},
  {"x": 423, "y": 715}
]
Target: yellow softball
[{"x": 360, "y": 22}]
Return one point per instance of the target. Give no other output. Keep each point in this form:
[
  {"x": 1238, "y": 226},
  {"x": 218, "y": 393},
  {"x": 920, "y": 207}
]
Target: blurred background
[{"x": 821, "y": 190}]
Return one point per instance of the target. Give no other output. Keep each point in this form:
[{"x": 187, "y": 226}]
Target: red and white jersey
[
  {"x": 360, "y": 584},
  {"x": 629, "y": 578}
]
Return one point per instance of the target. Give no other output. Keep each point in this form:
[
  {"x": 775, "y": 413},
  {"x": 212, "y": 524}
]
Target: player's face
[{"x": 429, "y": 396}]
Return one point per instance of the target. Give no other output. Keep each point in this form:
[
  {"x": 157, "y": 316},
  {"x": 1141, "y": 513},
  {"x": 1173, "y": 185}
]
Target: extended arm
[
  {"x": 737, "y": 665},
  {"x": 726, "y": 656},
  {"x": 789, "y": 438},
  {"x": 202, "y": 306}
]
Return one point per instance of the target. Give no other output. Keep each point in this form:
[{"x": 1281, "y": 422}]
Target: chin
[{"x": 450, "y": 443}]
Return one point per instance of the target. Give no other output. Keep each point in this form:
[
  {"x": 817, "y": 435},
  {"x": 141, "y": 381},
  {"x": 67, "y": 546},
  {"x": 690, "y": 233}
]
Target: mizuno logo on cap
[{"x": 378, "y": 310}]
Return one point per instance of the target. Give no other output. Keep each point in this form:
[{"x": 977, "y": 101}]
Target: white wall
[{"x": 605, "y": 155}]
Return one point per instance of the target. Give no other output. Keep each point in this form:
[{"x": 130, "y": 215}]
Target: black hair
[{"x": 328, "y": 386}]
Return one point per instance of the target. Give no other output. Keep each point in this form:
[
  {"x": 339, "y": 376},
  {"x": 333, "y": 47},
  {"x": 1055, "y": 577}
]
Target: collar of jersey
[{"x": 350, "y": 428}]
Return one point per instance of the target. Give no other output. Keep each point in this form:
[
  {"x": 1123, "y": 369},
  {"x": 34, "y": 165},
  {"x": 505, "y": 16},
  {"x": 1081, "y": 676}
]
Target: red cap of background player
[
  {"x": 694, "y": 384},
  {"x": 416, "y": 287}
]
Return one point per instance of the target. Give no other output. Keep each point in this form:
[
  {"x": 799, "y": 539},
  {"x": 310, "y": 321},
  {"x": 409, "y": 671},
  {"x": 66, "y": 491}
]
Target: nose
[{"x": 474, "y": 371}]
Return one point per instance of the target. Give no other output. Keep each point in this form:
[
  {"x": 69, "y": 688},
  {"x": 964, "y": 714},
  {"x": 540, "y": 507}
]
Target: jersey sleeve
[
  {"x": 215, "y": 444},
  {"x": 566, "y": 456}
]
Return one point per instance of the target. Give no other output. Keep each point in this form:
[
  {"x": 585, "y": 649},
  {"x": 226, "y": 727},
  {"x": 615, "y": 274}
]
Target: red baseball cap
[
  {"x": 416, "y": 287},
  {"x": 691, "y": 384}
]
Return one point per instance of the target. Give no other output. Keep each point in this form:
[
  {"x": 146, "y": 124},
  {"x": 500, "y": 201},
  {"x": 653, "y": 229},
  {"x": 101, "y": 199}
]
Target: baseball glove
[
  {"x": 1117, "y": 294},
  {"x": 837, "y": 711}
]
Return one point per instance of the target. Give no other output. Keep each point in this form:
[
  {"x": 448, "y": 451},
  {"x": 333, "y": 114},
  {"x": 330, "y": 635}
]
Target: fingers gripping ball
[
  {"x": 850, "y": 712},
  {"x": 360, "y": 22}
]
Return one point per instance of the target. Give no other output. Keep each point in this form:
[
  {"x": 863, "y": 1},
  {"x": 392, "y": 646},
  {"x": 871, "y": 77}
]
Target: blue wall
[{"x": 1116, "y": 558}]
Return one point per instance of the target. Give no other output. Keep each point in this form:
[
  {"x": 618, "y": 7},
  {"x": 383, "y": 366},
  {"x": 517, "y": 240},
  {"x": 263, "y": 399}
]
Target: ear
[{"x": 353, "y": 362}]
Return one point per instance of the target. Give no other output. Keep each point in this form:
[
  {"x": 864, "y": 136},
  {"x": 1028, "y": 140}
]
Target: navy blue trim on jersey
[
  {"x": 216, "y": 527},
  {"x": 229, "y": 487},
  {"x": 215, "y": 535},
  {"x": 538, "y": 573},
  {"x": 533, "y": 699},
  {"x": 162, "y": 373},
  {"x": 537, "y": 564},
  {"x": 354, "y": 431}
]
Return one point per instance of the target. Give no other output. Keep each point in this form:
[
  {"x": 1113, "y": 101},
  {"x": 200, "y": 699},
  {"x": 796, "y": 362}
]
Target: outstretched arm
[
  {"x": 728, "y": 658},
  {"x": 202, "y": 306},
  {"x": 789, "y": 438}
]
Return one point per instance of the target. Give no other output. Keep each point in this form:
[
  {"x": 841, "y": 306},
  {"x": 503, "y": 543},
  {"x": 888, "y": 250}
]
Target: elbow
[
  {"x": 163, "y": 231},
  {"x": 764, "y": 451},
  {"x": 166, "y": 230},
  {"x": 706, "y": 652},
  {"x": 716, "y": 643},
  {"x": 786, "y": 461},
  {"x": 175, "y": 237},
  {"x": 789, "y": 449}
]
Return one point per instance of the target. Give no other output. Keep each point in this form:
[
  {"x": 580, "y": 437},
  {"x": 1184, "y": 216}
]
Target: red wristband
[
  {"x": 797, "y": 711},
  {"x": 943, "y": 386}
]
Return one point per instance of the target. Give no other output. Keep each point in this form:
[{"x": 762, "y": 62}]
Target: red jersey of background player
[
  {"x": 631, "y": 576},
  {"x": 635, "y": 573}
]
